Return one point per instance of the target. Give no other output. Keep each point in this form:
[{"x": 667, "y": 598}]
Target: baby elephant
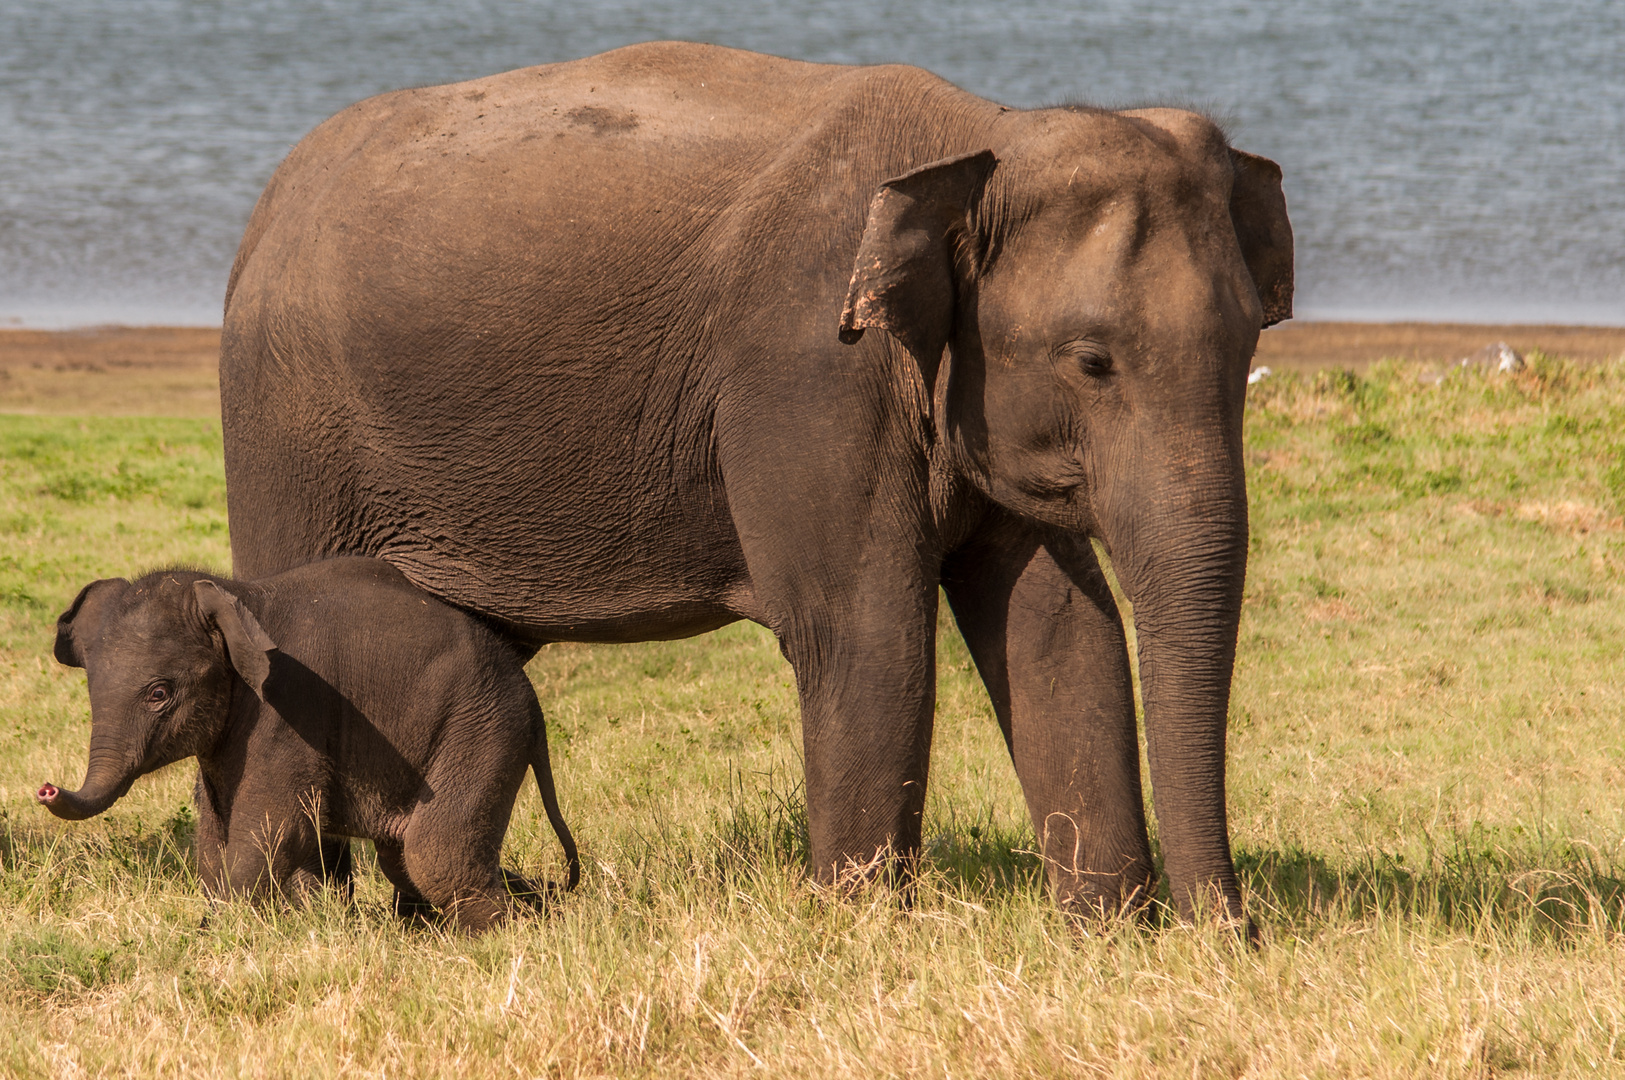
[{"x": 333, "y": 699}]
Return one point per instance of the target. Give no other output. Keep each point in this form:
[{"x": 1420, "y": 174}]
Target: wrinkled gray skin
[
  {"x": 581, "y": 348},
  {"x": 334, "y": 699}
]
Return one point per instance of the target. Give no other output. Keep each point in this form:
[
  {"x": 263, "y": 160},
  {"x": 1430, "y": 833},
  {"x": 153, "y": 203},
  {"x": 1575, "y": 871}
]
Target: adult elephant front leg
[
  {"x": 865, "y": 668},
  {"x": 1043, "y": 628}
]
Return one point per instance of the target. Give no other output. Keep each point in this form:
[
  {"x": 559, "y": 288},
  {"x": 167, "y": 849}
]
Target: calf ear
[
  {"x": 1258, "y": 210},
  {"x": 248, "y": 646},
  {"x": 78, "y": 624},
  {"x": 903, "y": 279}
]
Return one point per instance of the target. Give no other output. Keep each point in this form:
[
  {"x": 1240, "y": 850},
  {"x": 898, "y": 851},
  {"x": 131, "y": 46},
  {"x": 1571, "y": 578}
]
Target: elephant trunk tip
[
  {"x": 46, "y": 796},
  {"x": 66, "y": 805}
]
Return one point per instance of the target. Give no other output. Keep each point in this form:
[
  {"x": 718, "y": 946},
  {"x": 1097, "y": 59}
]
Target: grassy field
[{"x": 1426, "y": 776}]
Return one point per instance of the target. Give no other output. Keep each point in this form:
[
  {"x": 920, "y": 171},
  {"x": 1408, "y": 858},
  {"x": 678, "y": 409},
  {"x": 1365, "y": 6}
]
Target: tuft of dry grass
[{"x": 1424, "y": 771}]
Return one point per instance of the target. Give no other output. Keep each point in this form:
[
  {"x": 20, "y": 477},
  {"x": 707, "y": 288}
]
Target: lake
[{"x": 1443, "y": 161}]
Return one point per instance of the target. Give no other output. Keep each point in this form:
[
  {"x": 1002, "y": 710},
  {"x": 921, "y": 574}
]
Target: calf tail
[{"x": 543, "y": 768}]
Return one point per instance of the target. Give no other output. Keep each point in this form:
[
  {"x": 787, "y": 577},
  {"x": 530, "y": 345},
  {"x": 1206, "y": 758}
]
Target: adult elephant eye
[{"x": 1090, "y": 358}]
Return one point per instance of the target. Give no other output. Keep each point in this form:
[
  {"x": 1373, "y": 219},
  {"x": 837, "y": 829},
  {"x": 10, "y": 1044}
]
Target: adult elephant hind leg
[
  {"x": 1043, "y": 628},
  {"x": 537, "y": 896}
]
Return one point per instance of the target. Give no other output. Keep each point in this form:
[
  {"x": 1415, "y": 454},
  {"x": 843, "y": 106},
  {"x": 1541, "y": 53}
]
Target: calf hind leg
[
  {"x": 473, "y": 897},
  {"x": 408, "y": 904},
  {"x": 454, "y": 867}
]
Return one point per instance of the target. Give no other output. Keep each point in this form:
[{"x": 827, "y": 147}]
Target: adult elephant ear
[
  {"x": 1258, "y": 210},
  {"x": 904, "y": 277},
  {"x": 248, "y": 646}
]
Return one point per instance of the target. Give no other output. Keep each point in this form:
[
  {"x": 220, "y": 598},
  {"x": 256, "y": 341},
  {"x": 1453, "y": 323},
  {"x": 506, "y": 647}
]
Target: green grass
[{"x": 1425, "y": 775}]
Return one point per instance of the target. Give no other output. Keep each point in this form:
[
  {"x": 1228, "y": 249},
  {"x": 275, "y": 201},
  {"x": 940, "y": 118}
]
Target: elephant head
[
  {"x": 1083, "y": 302},
  {"x": 159, "y": 654}
]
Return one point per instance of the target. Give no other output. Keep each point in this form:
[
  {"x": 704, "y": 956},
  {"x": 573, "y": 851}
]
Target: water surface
[{"x": 1443, "y": 161}]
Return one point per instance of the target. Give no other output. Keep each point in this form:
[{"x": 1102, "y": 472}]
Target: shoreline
[
  {"x": 171, "y": 370},
  {"x": 1310, "y": 346}
]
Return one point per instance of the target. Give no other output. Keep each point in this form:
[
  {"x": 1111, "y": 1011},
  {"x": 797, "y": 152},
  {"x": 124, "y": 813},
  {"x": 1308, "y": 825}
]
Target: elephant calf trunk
[{"x": 75, "y": 805}]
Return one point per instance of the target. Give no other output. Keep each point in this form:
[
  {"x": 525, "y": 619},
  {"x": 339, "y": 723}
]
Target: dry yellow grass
[{"x": 1425, "y": 776}]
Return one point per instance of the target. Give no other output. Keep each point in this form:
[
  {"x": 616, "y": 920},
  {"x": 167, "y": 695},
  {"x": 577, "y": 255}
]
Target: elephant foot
[{"x": 413, "y": 910}]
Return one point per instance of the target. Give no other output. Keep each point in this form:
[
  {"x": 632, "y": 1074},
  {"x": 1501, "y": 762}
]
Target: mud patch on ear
[{"x": 248, "y": 646}]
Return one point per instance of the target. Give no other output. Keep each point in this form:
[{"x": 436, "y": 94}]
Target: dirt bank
[
  {"x": 1297, "y": 344},
  {"x": 111, "y": 371},
  {"x": 170, "y": 371}
]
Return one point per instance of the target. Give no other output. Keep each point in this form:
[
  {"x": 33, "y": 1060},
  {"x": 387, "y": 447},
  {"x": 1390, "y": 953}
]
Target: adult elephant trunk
[
  {"x": 1183, "y": 563},
  {"x": 106, "y": 780}
]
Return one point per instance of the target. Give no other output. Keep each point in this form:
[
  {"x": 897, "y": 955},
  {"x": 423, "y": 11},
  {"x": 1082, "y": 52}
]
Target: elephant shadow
[
  {"x": 328, "y": 722},
  {"x": 764, "y": 829},
  {"x": 1554, "y": 894},
  {"x": 985, "y": 859}
]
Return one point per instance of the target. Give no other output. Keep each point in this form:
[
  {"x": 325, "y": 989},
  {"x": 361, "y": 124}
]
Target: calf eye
[{"x": 158, "y": 695}]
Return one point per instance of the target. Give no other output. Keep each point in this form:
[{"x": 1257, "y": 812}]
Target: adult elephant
[{"x": 582, "y": 348}]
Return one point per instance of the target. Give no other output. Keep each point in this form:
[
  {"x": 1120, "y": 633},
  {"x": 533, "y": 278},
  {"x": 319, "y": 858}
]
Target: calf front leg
[
  {"x": 274, "y": 843},
  {"x": 209, "y": 837}
]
